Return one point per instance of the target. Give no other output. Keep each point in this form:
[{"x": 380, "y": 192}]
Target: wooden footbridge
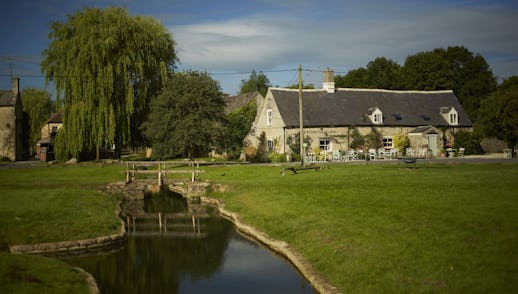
[{"x": 155, "y": 176}]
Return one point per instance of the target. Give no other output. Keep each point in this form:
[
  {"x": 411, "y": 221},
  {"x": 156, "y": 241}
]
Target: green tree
[
  {"x": 106, "y": 65},
  {"x": 353, "y": 79},
  {"x": 296, "y": 86},
  {"x": 257, "y": 82},
  {"x": 455, "y": 68},
  {"x": 187, "y": 118},
  {"x": 499, "y": 113},
  {"x": 381, "y": 73},
  {"x": 239, "y": 123},
  {"x": 38, "y": 107}
]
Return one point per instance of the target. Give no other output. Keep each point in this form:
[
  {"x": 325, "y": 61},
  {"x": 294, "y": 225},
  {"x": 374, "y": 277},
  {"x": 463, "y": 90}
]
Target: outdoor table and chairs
[
  {"x": 508, "y": 153},
  {"x": 451, "y": 152}
]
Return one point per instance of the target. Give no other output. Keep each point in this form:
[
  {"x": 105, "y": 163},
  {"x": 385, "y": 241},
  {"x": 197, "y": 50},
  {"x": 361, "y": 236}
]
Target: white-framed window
[
  {"x": 387, "y": 142},
  {"x": 270, "y": 145},
  {"x": 377, "y": 116},
  {"x": 269, "y": 117},
  {"x": 453, "y": 118},
  {"x": 324, "y": 144}
]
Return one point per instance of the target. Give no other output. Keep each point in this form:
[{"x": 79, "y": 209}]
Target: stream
[{"x": 189, "y": 248}]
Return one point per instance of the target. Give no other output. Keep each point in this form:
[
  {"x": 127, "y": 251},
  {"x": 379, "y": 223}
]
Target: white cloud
[{"x": 265, "y": 42}]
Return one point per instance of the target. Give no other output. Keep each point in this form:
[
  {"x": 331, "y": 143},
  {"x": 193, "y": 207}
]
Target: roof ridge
[
  {"x": 368, "y": 90},
  {"x": 396, "y": 91}
]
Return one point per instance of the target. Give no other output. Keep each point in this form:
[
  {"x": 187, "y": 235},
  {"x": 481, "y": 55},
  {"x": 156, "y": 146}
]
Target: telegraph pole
[{"x": 302, "y": 148}]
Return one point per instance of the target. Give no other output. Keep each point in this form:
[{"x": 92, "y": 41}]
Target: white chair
[
  {"x": 337, "y": 156},
  {"x": 461, "y": 152},
  {"x": 373, "y": 154}
]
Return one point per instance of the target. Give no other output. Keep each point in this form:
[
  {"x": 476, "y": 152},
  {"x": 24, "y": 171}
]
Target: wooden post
[
  {"x": 302, "y": 149},
  {"x": 160, "y": 220},
  {"x": 193, "y": 224}
]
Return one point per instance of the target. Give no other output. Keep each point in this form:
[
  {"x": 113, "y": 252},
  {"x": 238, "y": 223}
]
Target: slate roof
[
  {"x": 235, "y": 102},
  {"x": 351, "y": 107},
  {"x": 56, "y": 118},
  {"x": 7, "y": 98}
]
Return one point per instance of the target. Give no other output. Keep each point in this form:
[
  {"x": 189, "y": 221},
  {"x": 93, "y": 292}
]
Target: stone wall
[{"x": 7, "y": 132}]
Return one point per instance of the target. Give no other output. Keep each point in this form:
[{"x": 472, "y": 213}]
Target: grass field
[
  {"x": 386, "y": 228},
  {"x": 366, "y": 228},
  {"x": 56, "y": 203}
]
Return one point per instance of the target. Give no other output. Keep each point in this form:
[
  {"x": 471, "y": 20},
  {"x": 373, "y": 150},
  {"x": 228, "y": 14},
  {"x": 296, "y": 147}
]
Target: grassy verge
[
  {"x": 51, "y": 204},
  {"x": 35, "y": 274},
  {"x": 386, "y": 228}
]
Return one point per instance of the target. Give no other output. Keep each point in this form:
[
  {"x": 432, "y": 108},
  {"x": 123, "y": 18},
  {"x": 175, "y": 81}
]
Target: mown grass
[
  {"x": 366, "y": 228},
  {"x": 386, "y": 228},
  {"x": 35, "y": 274},
  {"x": 50, "y": 204}
]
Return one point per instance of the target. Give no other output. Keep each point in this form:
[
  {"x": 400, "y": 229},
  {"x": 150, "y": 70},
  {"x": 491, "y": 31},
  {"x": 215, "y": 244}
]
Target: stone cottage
[
  {"x": 11, "y": 123},
  {"x": 44, "y": 147},
  {"x": 430, "y": 119}
]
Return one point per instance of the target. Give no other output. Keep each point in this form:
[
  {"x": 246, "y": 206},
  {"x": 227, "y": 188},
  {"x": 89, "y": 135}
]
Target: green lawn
[
  {"x": 36, "y": 274},
  {"x": 386, "y": 228},
  {"x": 51, "y": 204},
  {"x": 366, "y": 228}
]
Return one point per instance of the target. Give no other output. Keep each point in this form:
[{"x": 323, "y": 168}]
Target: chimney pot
[
  {"x": 328, "y": 82},
  {"x": 15, "y": 85}
]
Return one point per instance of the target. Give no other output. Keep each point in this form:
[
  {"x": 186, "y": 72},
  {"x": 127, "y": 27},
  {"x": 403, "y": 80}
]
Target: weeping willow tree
[{"x": 105, "y": 65}]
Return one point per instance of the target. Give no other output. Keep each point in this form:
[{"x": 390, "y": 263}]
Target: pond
[{"x": 179, "y": 253}]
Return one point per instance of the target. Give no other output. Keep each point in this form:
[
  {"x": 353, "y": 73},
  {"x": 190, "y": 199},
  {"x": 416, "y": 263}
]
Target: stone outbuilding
[{"x": 11, "y": 123}]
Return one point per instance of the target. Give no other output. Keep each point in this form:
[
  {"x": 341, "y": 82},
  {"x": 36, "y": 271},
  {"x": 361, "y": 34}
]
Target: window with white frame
[
  {"x": 453, "y": 118},
  {"x": 387, "y": 142},
  {"x": 325, "y": 144},
  {"x": 270, "y": 145},
  {"x": 269, "y": 117},
  {"x": 377, "y": 116}
]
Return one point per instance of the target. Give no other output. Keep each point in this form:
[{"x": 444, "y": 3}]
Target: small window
[
  {"x": 376, "y": 116},
  {"x": 453, "y": 118},
  {"x": 325, "y": 144},
  {"x": 269, "y": 117},
  {"x": 270, "y": 145},
  {"x": 387, "y": 142},
  {"x": 54, "y": 129}
]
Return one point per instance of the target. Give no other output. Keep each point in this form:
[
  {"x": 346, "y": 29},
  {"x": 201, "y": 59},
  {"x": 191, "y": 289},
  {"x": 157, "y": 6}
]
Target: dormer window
[
  {"x": 269, "y": 117},
  {"x": 376, "y": 116},
  {"x": 450, "y": 115},
  {"x": 453, "y": 119}
]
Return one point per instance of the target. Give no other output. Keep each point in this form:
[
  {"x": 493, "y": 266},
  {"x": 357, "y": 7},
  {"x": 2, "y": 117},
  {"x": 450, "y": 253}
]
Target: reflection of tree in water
[{"x": 159, "y": 264}]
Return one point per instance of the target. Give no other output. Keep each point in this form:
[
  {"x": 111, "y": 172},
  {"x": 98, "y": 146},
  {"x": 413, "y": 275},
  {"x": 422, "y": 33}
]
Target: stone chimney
[
  {"x": 15, "y": 86},
  {"x": 328, "y": 83}
]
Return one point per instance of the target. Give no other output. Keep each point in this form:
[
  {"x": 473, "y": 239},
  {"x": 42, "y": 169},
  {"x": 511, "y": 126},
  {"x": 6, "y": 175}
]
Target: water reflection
[{"x": 186, "y": 256}]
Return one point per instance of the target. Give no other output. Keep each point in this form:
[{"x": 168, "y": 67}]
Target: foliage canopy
[
  {"x": 455, "y": 68},
  {"x": 105, "y": 64},
  {"x": 257, "y": 82},
  {"x": 499, "y": 113},
  {"x": 187, "y": 118},
  {"x": 38, "y": 107}
]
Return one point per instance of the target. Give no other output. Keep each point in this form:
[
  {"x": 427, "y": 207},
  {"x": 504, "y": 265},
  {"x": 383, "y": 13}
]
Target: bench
[
  {"x": 409, "y": 160},
  {"x": 294, "y": 170}
]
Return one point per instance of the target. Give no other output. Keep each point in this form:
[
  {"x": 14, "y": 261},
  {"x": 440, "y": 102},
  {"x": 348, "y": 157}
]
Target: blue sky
[{"x": 231, "y": 38}]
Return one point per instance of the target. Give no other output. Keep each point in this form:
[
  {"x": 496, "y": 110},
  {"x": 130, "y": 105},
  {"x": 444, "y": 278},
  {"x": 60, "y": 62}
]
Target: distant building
[
  {"x": 11, "y": 123},
  {"x": 44, "y": 147},
  {"x": 430, "y": 119}
]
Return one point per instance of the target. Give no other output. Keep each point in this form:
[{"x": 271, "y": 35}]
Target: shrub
[
  {"x": 401, "y": 142},
  {"x": 357, "y": 140},
  {"x": 467, "y": 140},
  {"x": 277, "y": 157}
]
